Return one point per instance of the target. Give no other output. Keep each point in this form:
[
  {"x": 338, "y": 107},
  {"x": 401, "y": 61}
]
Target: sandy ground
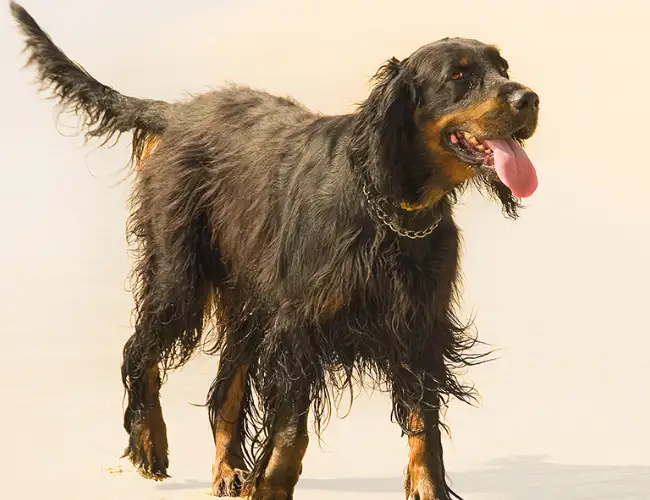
[{"x": 562, "y": 292}]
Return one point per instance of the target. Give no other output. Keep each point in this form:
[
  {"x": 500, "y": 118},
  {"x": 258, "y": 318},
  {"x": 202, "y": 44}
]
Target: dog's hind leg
[
  {"x": 143, "y": 419},
  {"x": 164, "y": 338},
  {"x": 225, "y": 402},
  {"x": 172, "y": 293}
]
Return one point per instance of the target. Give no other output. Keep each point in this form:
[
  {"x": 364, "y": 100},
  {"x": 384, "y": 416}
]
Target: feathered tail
[{"x": 106, "y": 113}]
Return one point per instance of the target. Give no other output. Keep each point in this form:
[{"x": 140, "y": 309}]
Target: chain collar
[{"x": 375, "y": 205}]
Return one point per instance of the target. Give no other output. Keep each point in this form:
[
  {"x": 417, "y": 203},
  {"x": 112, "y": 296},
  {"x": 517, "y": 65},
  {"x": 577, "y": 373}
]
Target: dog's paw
[
  {"x": 150, "y": 460},
  {"x": 227, "y": 481},
  {"x": 420, "y": 486},
  {"x": 269, "y": 493}
]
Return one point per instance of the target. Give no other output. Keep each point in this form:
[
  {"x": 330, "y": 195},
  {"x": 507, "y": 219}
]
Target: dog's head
[{"x": 446, "y": 115}]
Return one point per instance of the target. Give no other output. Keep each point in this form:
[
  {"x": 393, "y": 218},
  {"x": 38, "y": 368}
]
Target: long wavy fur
[{"x": 227, "y": 225}]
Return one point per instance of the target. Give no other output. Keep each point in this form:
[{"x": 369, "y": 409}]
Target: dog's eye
[{"x": 456, "y": 76}]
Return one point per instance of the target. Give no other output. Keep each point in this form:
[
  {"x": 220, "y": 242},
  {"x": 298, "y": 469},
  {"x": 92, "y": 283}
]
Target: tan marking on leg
[
  {"x": 154, "y": 433},
  {"x": 226, "y": 429},
  {"x": 229, "y": 466},
  {"x": 285, "y": 465},
  {"x": 424, "y": 471}
]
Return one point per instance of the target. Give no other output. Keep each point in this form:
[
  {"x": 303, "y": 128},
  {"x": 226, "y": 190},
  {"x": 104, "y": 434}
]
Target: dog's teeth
[{"x": 470, "y": 138}]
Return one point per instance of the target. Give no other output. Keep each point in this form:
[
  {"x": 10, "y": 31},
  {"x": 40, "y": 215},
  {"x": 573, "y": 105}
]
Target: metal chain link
[{"x": 388, "y": 221}]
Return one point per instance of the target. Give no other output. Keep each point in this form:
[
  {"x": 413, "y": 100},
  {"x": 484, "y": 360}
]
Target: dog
[{"x": 322, "y": 248}]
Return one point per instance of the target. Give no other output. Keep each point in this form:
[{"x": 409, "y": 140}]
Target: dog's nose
[{"x": 524, "y": 100}]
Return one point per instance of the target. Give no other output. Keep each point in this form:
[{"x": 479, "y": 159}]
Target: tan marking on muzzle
[
  {"x": 452, "y": 168},
  {"x": 468, "y": 119}
]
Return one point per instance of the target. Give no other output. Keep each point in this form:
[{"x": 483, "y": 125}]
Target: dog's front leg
[
  {"x": 417, "y": 405},
  {"x": 278, "y": 475},
  {"x": 425, "y": 473}
]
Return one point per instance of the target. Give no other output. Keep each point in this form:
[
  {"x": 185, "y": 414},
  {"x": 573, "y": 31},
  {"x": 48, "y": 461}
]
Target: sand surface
[{"x": 563, "y": 291}]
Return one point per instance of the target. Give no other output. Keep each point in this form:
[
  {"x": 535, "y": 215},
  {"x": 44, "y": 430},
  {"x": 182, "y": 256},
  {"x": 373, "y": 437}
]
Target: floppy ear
[{"x": 384, "y": 133}]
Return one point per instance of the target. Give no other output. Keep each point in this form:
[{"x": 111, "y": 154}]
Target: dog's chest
[{"x": 408, "y": 276}]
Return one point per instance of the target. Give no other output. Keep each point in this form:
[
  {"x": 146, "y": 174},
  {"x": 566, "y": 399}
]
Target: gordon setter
[{"x": 322, "y": 250}]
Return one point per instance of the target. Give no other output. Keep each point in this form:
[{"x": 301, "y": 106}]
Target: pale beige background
[{"x": 563, "y": 291}]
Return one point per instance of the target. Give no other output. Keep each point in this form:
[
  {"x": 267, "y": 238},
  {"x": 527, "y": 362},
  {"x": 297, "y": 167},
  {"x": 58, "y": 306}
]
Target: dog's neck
[
  {"x": 404, "y": 219},
  {"x": 430, "y": 198}
]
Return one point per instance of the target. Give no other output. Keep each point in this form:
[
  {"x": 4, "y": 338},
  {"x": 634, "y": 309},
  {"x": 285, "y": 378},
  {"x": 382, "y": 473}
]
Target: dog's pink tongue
[{"x": 513, "y": 167}]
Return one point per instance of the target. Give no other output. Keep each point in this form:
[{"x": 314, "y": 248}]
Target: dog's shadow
[{"x": 517, "y": 478}]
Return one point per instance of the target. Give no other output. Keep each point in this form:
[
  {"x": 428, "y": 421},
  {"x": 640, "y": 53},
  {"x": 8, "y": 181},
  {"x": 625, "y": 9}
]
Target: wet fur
[{"x": 250, "y": 212}]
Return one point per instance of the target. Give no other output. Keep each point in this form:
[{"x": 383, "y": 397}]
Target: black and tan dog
[{"x": 324, "y": 247}]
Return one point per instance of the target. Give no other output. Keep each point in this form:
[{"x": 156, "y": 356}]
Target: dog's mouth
[
  {"x": 505, "y": 156},
  {"x": 470, "y": 149}
]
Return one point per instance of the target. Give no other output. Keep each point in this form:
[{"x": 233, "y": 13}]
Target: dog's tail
[{"x": 105, "y": 112}]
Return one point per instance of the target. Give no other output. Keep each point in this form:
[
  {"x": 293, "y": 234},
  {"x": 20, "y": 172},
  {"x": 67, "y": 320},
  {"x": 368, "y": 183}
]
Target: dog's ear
[
  {"x": 394, "y": 95},
  {"x": 385, "y": 127}
]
